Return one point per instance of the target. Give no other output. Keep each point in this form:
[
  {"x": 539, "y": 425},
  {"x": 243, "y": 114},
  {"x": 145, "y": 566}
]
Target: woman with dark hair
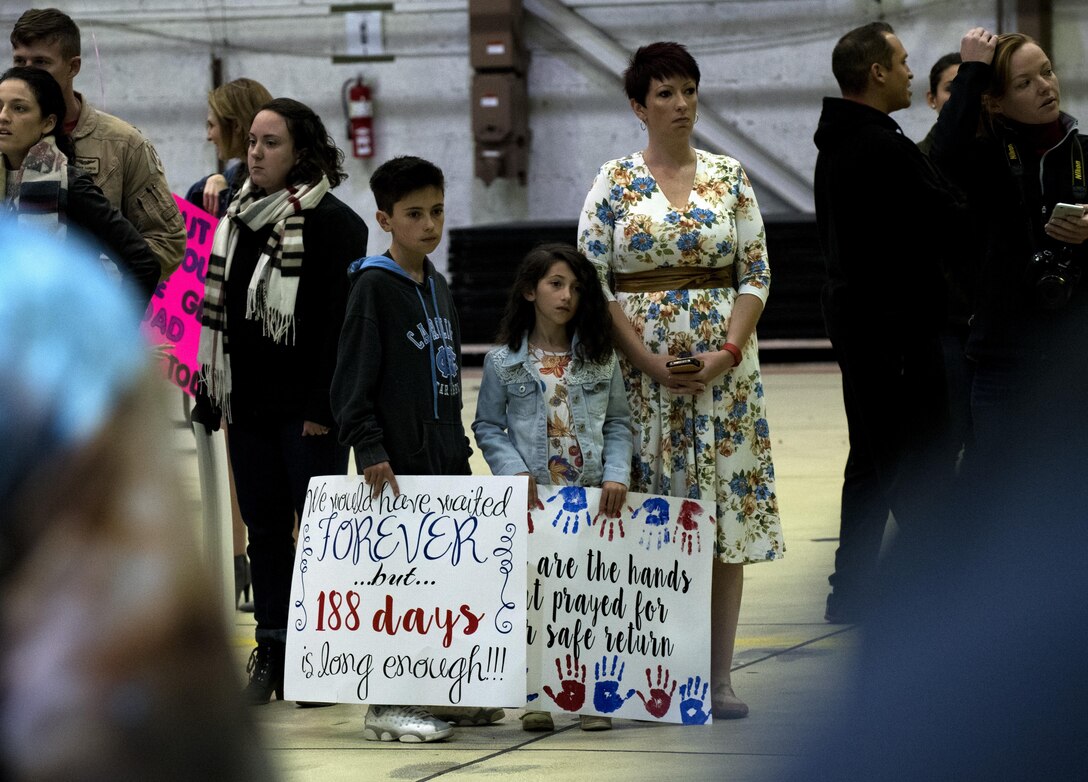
[
  {"x": 42, "y": 189},
  {"x": 1004, "y": 140},
  {"x": 941, "y": 76},
  {"x": 275, "y": 298},
  {"x": 680, "y": 231},
  {"x": 231, "y": 109}
]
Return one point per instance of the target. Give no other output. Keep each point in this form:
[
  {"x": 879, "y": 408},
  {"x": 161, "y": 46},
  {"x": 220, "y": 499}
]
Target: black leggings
[{"x": 273, "y": 464}]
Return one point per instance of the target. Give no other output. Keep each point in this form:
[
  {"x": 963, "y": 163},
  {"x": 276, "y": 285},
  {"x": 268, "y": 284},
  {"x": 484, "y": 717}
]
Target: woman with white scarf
[
  {"x": 274, "y": 302},
  {"x": 41, "y": 189}
]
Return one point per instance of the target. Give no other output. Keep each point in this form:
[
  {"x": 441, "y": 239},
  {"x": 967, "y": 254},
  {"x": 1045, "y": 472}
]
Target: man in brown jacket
[{"x": 116, "y": 155}]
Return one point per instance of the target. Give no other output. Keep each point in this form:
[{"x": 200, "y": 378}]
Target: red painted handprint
[
  {"x": 574, "y": 686},
  {"x": 538, "y": 506},
  {"x": 660, "y": 696},
  {"x": 687, "y": 526},
  {"x": 609, "y": 523}
]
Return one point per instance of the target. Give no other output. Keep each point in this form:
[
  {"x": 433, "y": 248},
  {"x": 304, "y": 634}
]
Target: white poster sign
[
  {"x": 415, "y": 599},
  {"x": 619, "y": 608}
]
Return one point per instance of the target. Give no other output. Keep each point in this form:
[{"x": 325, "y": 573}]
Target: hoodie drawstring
[{"x": 430, "y": 345}]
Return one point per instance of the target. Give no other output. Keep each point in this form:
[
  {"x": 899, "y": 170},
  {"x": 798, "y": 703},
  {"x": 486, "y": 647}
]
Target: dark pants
[
  {"x": 273, "y": 464},
  {"x": 958, "y": 375},
  {"x": 900, "y": 460},
  {"x": 1003, "y": 417},
  {"x": 1029, "y": 402},
  {"x": 863, "y": 517}
]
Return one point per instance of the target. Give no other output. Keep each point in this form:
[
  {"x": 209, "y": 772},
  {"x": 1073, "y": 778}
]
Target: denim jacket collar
[{"x": 580, "y": 371}]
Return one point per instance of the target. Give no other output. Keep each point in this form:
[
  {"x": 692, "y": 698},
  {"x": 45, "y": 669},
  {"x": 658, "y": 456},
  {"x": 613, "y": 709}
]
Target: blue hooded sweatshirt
[{"x": 396, "y": 392}]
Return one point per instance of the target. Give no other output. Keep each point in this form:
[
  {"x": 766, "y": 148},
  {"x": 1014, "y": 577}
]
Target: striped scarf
[
  {"x": 41, "y": 187},
  {"x": 270, "y": 297}
]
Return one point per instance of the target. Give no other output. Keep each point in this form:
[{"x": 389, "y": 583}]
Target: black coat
[
  {"x": 275, "y": 382},
  {"x": 881, "y": 210},
  {"x": 88, "y": 210},
  {"x": 1007, "y": 222}
]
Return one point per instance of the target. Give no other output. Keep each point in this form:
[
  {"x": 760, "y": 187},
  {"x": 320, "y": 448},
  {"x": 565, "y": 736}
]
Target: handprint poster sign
[
  {"x": 415, "y": 599},
  {"x": 619, "y": 608}
]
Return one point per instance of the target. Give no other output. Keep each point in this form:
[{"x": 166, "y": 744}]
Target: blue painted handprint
[
  {"x": 575, "y": 506},
  {"x": 606, "y": 692},
  {"x": 657, "y": 522},
  {"x": 693, "y": 702}
]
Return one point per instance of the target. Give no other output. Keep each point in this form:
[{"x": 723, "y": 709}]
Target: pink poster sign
[{"x": 173, "y": 315}]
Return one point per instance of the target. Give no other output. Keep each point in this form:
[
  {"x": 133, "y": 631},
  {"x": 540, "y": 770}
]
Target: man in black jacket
[{"x": 879, "y": 205}]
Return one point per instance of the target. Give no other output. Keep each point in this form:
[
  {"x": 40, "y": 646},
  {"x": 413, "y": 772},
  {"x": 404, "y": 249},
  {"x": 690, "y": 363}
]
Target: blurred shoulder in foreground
[{"x": 114, "y": 661}]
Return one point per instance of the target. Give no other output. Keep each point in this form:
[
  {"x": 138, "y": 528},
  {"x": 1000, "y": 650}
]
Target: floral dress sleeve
[
  {"x": 596, "y": 226},
  {"x": 750, "y": 262}
]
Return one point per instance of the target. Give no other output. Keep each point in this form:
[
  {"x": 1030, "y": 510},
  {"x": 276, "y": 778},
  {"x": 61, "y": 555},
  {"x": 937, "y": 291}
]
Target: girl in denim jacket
[{"x": 552, "y": 404}]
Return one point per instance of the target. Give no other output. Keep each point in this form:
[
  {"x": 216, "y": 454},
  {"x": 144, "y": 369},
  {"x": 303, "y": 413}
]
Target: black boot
[
  {"x": 265, "y": 671},
  {"x": 242, "y": 583}
]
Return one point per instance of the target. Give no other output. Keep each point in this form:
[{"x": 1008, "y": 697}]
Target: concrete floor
[{"x": 789, "y": 664}]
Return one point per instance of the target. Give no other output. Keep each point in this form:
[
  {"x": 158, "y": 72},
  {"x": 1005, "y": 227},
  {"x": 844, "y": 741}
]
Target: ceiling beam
[{"x": 606, "y": 54}]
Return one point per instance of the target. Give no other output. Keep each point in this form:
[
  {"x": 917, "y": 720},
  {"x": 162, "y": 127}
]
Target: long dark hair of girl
[
  {"x": 592, "y": 322},
  {"x": 50, "y": 100}
]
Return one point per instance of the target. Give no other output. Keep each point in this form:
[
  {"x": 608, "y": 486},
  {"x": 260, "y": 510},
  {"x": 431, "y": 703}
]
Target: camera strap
[{"x": 1077, "y": 183}]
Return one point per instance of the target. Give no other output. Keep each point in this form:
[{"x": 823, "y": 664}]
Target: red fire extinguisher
[{"x": 360, "y": 114}]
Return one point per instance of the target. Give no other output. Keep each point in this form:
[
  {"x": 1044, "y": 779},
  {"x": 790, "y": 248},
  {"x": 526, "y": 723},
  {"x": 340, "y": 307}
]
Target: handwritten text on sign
[
  {"x": 619, "y": 609},
  {"x": 415, "y": 599},
  {"x": 173, "y": 314}
]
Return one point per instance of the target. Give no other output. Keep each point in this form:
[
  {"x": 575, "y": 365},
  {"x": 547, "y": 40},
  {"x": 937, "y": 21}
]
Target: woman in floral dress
[{"x": 679, "y": 232}]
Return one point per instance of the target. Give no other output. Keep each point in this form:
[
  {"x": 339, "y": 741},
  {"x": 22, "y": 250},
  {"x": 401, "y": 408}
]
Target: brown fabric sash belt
[{"x": 674, "y": 278}]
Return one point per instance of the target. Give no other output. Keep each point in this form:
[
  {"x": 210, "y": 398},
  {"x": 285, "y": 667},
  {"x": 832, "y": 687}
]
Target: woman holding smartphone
[
  {"x": 680, "y": 231},
  {"x": 1030, "y": 322}
]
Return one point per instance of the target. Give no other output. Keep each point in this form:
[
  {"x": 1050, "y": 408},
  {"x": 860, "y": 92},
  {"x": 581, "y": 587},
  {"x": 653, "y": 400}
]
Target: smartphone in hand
[
  {"x": 1076, "y": 211},
  {"x": 684, "y": 365}
]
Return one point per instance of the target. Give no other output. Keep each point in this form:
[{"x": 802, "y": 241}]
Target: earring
[
  {"x": 696, "y": 118},
  {"x": 641, "y": 125}
]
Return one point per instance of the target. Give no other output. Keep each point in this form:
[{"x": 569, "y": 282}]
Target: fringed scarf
[
  {"x": 41, "y": 193},
  {"x": 273, "y": 287}
]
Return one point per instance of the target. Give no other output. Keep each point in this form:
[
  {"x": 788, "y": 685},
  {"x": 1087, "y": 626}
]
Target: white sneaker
[
  {"x": 408, "y": 724},
  {"x": 468, "y": 715}
]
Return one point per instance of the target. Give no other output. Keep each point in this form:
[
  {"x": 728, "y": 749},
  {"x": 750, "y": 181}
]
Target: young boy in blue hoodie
[{"x": 396, "y": 392}]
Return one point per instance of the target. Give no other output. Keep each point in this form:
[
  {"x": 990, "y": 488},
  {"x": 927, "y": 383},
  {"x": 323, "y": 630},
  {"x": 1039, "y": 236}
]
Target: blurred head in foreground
[{"x": 113, "y": 656}]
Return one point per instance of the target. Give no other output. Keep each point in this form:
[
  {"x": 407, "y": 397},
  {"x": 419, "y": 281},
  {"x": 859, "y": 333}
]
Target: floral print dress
[
  {"x": 717, "y": 443},
  {"x": 564, "y": 452}
]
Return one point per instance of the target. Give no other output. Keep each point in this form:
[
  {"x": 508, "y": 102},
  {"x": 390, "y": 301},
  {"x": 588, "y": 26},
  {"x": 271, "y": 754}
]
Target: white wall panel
[{"x": 765, "y": 63}]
